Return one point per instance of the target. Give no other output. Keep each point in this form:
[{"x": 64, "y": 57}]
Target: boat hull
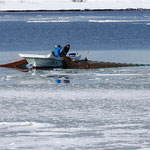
[{"x": 43, "y": 61}]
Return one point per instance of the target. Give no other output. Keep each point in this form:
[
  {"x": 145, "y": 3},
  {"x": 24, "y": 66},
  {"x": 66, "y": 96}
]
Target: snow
[{"x": 68, "y": 4}]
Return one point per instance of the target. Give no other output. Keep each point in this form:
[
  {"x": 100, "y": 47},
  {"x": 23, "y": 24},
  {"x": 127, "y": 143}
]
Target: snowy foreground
[{"x": 68, "y": 4}]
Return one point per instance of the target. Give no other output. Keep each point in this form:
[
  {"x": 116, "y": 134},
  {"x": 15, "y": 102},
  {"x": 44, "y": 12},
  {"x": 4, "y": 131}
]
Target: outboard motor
[{"x": 74, "y": 56}]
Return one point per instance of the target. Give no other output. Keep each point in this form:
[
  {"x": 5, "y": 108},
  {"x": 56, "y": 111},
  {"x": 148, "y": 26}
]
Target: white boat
[
  {"x": 47, "y": 61},
  {"x": 43, "y": 61}
]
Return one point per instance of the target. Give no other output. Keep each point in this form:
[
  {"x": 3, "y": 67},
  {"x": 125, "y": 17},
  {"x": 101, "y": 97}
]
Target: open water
[{"x": 103, "y": 109}]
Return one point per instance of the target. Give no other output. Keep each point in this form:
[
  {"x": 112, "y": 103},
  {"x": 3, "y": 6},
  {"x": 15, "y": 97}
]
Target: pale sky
[{"x": 68, "y": 4}]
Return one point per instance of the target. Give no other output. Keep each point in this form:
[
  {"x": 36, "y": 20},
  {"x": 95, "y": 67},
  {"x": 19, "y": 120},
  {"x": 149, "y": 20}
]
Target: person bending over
[
  {"x": 57, "y": 51},
  {"x": 65, "y": 50}
]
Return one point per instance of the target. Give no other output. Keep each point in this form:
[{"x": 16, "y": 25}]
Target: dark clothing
[{"x": 65, "y": 51}]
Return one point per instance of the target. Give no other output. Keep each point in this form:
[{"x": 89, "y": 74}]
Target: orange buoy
[
  {"x": 85, "y": 58},
  {"x": 87, "y": 52}
]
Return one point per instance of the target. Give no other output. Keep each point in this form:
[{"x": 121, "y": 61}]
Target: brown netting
[{"x": 18, "y": 64}]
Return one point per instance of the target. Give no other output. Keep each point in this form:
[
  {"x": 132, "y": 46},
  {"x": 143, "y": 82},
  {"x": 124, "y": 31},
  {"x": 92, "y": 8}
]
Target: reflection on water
[
  {"x": 44, "y": 77},
  {"x": 107, "y": 78}
]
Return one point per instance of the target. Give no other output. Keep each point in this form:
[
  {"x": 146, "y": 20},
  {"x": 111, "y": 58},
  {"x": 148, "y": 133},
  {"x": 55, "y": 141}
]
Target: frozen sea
[{"x": 103, "y": 109}]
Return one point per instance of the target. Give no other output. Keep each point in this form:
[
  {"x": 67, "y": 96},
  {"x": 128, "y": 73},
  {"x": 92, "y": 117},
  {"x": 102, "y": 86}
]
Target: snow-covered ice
[{"x": 68, "y": 4}]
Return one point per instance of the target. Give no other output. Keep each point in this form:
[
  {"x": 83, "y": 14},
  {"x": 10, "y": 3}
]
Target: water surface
[{"x": 76, "y": 109}]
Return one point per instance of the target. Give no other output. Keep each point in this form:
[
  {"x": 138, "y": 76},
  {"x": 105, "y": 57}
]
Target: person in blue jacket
[{"x": 57, "y": 51}]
